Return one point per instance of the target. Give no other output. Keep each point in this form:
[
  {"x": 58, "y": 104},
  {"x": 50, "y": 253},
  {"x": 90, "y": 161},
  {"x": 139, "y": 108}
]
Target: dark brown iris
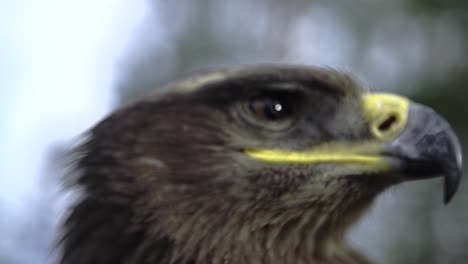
[{"x": 270, "y": 108}]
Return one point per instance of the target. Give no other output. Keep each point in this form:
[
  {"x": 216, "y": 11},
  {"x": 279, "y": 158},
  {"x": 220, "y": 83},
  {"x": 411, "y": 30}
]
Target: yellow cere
[
  {"x": 381, "y": 107},
  {"x": 386, "y": 114}
]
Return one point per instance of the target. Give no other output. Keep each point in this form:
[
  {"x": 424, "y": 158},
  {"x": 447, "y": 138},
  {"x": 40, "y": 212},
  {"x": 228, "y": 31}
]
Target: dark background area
[{"x": 416, "y": 48}]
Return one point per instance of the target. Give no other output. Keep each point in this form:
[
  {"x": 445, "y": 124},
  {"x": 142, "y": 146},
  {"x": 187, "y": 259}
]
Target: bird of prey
[{"x": 254, "y": 164}]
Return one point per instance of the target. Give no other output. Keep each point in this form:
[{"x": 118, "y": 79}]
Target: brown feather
[{"x": 163, "y": 180}]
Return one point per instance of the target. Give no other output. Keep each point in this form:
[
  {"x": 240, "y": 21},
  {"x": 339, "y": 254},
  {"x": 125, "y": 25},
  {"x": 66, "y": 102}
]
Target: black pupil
[{"x": 269, "y": 108}]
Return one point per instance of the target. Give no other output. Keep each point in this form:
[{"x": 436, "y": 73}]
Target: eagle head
[{"x": 256, "y": 164}]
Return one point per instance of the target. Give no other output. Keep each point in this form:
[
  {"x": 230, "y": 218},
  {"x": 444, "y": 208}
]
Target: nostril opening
[{"x": 387, "y": 123}]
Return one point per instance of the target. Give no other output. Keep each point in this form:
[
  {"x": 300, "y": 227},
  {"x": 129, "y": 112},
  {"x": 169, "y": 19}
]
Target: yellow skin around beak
[
  {"x": 380, "y": 108},
  {"x": 387, "y": 115}
]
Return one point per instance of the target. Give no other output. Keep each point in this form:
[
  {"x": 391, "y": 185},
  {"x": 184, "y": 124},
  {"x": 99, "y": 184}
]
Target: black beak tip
[
  {"x": 453, "y": 172},
  {"x": 451, "y": 183}
]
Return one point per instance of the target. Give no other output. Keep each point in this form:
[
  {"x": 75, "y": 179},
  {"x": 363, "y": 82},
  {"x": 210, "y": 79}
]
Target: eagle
[{"x": 252, "y": 164}]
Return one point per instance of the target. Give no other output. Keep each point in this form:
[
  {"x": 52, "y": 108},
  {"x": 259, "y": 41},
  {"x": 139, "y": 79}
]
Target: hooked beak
[
  {"x": 417, "y": 142},
  {"x": 427, "y": 147}
]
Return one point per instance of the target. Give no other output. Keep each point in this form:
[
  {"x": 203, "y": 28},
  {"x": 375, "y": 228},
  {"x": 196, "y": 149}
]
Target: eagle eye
[
  {"x": 275, "y": 111},
  {"x": 269, "y": 108}
]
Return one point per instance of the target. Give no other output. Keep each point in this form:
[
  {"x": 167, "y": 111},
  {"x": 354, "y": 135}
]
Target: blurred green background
[{"x": 417, "y": 48}]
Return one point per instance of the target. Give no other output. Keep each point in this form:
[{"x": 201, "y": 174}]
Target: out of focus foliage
[{"x": 418, "y": 48}]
